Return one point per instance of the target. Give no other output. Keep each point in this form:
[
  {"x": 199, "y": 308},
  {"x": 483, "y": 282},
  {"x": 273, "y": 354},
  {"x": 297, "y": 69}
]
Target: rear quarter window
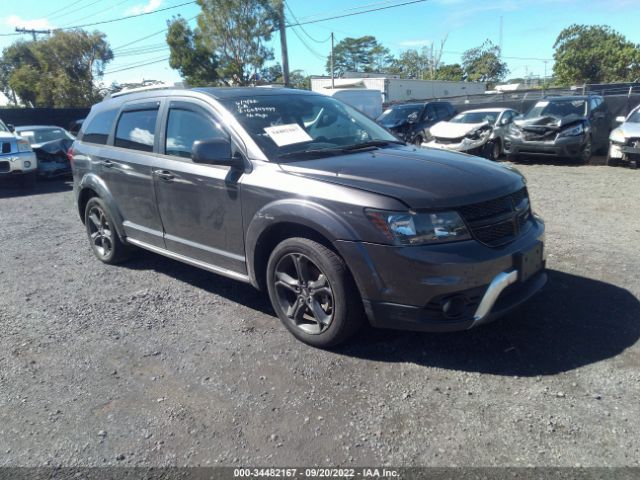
[{"x": 99, "y": 127}]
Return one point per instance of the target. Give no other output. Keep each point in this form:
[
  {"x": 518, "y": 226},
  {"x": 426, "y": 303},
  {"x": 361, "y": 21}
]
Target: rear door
[
  {"x": 126, "y": 168},
  {"x": 199, "y": 204}
]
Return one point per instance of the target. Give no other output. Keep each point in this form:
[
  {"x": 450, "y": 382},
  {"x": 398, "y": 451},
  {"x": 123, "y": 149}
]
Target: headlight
[
  {"x": 617, "y": 136},
  {"x": 409, "y": 228},
  {"x": 23, "y": 146},
  {"x": 479, "y": 134},
  {"x": 572, "y": 131},
  {"x": 514, "y": 130}
]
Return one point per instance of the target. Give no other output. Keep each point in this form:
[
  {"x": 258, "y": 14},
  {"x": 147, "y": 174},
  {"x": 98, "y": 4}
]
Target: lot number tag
[{"x": 288, "y": 134}]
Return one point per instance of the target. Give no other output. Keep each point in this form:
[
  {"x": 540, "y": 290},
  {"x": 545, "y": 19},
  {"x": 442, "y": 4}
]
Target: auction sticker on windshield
[
  {"x": 289, "y": 134},
  {"x": 543, "y": 103}
]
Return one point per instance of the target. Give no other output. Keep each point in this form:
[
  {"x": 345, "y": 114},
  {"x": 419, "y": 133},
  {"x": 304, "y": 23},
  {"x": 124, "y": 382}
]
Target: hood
[
  {"x": 629, "y": 129},
  {"x": 454, "y": 130},
  {"x": 55, "y": 150},
  {"x": 5, "y": 136},
  {"x": 421, "y": 178},
  {"x": 549, "y": 122}
]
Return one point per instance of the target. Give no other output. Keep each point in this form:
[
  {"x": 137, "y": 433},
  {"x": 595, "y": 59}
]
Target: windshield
[
  {"x": 282, "y": 125},
  {"x": 634, "y": 117},
  {"x": 476, "y": 117},
  {"x": 558, "y": 108},
  {"x": 42, "y": 135},
  {"x": 398, "y": 114}
]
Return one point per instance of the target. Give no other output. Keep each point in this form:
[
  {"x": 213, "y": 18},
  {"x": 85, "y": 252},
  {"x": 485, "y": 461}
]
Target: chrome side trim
[
  {"x": 191, "y": 261},
  {"x": 496, "y": 287}
]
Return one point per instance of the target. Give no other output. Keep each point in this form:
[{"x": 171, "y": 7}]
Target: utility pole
[
  {"x": 283, "y": 43},
  {"x": 332, "y": 76},
  {"x": 32, "y": 32}
]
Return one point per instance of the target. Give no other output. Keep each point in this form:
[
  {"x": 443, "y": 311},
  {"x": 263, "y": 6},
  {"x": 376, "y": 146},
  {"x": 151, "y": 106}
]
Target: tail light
[{"x": 70, "y": 153}]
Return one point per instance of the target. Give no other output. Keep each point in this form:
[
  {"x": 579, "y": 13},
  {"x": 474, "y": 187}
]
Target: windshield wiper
[
  {"x": 313, "y": 153},
  {"x": 371, "y": 144}
]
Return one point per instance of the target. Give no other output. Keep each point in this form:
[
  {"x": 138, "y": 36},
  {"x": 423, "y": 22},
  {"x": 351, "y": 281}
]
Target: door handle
[
  {"x": 164, "y": 175},
  {"x": 107, "y": 163}
]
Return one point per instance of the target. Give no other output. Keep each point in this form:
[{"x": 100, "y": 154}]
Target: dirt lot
[{"x": 157, "y": 363}]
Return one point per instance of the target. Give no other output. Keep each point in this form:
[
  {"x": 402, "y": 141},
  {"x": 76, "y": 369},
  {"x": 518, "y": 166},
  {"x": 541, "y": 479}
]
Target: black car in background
[
  {"x": 571, "y": 127},
  {"x": 411, "y": 122}
]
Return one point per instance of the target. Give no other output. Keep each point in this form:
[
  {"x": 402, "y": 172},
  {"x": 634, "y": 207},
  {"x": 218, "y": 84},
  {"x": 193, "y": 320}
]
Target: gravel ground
[{"x": 157, "y": 363}]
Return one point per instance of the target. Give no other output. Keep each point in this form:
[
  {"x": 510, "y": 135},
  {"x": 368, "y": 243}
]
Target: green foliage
[
  {"x": 483, "y": 64},
  {"x": 452, "y": 73},
  {"x": 363, "y": 54},
  {"x": 412, "y": 63},
  {"x": 60, "y": 71},
  {"x": 594, "y": 54},
  {"x": 196, "y": 63},
  {"x": 230, "y": 39},
  {"x": 273, "y": 75}
]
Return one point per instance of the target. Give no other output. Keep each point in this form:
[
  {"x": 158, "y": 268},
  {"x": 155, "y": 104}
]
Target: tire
[
  {"x": 612, "y": 162},
  {"x": 313, "y": 293},
  {"x": 28, "y": 180},
  {"x": 587, "y": 151},
  {"x": 103, "y": 237},
  {"x": 492, "y": 150},
  {"x": 418, "y": 141}
]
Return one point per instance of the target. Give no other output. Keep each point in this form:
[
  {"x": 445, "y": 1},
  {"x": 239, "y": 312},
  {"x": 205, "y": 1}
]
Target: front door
[{"x": 199, "y": 204}]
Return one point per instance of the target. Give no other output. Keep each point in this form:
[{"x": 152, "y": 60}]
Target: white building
[{"x": 401, "y": 90}]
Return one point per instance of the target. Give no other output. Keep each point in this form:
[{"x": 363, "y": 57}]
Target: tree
[
  {"x": 363, "y": 54},
  {"x": 483, "y": 64},
  {"x": 594, "y": 54},
  {"x": 61, "y": 71},
  {"x": 231, "y": 34},
  {"x": 196, "y": 63},
  {"x": 411, "y": 63},
  {"x": 452, "y": 73}
]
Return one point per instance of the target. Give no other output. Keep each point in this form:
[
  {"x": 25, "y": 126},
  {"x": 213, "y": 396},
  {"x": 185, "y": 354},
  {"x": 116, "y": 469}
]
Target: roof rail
[{"x": 160, "y": 86}]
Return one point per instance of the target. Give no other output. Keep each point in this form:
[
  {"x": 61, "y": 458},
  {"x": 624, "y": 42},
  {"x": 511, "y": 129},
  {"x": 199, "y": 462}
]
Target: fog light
[
  {"x": 26, "y": 163},
  {"x": 454, "y": 306}
]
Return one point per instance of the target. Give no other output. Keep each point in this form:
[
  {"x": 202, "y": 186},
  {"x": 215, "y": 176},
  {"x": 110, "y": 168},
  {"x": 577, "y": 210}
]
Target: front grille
[
  {"x": 538, "y": 135},
  {"x": 4, "y": 167},
  {"x": 448, "y": 141},
  {"x": 498, "y": 221},
  {"x": 6, "y": 147},
  {"x": 633, "y": 142}
]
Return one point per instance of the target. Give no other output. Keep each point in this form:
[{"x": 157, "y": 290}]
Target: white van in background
[{"x": 366, "y": 100}]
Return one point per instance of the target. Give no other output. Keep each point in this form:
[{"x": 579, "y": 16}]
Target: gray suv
[{"x": 306, "y": 198}]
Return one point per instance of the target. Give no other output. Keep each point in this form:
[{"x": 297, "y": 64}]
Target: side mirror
[
  {"x": 213, "y": 151},
  {"x": 11, "y": 127},
  {"x": 620, "y": 119}
]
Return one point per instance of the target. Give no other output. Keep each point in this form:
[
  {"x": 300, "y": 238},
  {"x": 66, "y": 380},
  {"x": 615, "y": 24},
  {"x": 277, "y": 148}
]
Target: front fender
[
  {"x": 294, "y": 211},
  {"x": 91, "y": 181}
]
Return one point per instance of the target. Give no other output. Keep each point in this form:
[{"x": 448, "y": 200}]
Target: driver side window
[{"x": 187, "y": 126}]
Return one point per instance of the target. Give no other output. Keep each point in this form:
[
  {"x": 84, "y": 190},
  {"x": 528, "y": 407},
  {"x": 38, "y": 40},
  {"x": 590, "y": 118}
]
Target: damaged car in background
[
  {"x": 477, "y": 132},
  {"x": 50, "y": 144},
  {"x": 625, "y": 141},
  {"x": 571, "y": 127},
  {"x": 412, "y": 122}
]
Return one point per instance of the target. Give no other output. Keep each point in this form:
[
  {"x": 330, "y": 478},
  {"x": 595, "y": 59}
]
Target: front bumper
[
  {"x": 470, "y": 147},
  {"x": 407, "y": 287},
  {"x": 18, "y": 163},
  {"x": 624, "y": 152},
  {"x": 560, "y": 147}
]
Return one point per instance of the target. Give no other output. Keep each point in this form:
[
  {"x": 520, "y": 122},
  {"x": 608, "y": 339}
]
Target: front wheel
[
  {"x": 313, "y": 293},
  {"x": 492, "y": 150},
  {"x": 587, "y": 151},
  {"x": 418, "y": 141}
]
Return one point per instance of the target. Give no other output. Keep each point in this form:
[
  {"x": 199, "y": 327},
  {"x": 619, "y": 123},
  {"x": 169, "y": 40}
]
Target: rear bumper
[
  {"x": 561, "y": 147},
  {"x": 408, "y": 287}
]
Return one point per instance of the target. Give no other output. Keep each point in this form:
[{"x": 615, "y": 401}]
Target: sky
[{"x": 529, "y": 28}]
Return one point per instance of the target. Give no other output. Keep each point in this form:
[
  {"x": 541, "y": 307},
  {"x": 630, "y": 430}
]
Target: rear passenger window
[
  {"x": 136, "y": 129},
  {"x": 99, "y": 128},
  {"x": 185, "y": 127}
]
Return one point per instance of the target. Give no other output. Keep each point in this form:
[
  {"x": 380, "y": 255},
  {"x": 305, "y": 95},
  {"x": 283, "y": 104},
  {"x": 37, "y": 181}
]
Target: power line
[
  {"x": 63, "y": 8},
  {"x": 74, "y": 11},
  {"x": 356, "y": 13},
  {"x": 99, "y": 12},
  {"x": 136, "y": 66},
  {"x": 303, "y": 30},
  {"x": 311, "y": 17},
  {"x": 148, "y": 36}
]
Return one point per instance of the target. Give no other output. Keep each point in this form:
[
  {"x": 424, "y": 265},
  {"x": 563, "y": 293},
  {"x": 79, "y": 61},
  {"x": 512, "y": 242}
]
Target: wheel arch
[
  {"x": 286, "y": 219},
  {"x": 93, "y": 186}
]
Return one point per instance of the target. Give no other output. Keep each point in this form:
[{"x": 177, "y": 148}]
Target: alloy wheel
[
  {"x": 100, "y": 232},
  {"x": 304, "y": 293}
]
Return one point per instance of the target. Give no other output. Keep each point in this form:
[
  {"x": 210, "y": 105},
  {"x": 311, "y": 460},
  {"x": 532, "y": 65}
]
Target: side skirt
[{"x": 191, "y": 261}]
